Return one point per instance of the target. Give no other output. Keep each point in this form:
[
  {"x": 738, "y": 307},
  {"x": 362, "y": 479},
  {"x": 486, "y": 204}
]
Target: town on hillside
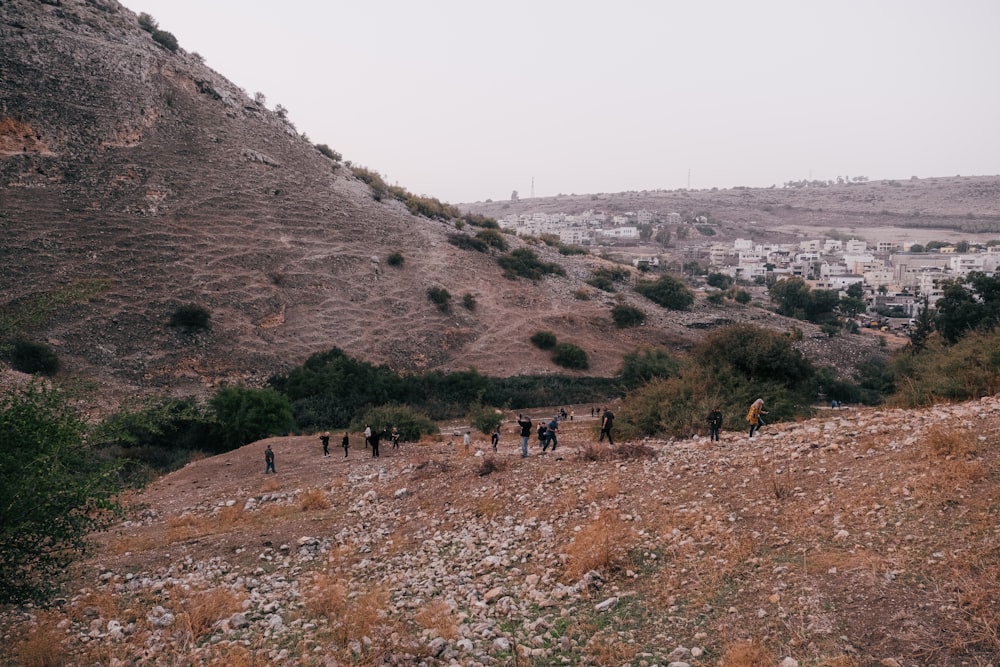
[{"x": 896, "y": 278}]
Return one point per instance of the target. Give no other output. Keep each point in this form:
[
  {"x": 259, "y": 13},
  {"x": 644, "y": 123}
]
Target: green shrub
[
  {"x": 56, "y": 491},
  {"x": 968, "y": 369},
  {"x": 28, "y": 357},
  {"x": 440, "y": 297},
  {"x": 573, "y": 250},
  {"x": 485, "y": 418},
  {"x": 147, "y": 22},
  {"x": 243, "y": 415},
  {"x": 605, "y": 278},
  {"x": 742, "y": 297},
  {"x": 569, "y": 355},
  {"x": 468, "y": 242},
  {"x": 483, "y": 221},
  {"x": 165, "y": 39},
  {"x": 667, "y": 291},
  {"x": 493, "y": 238},
  {"x": 329, "y": 152},
  {"x": 627, "y": 316},
  {"x": 543, "y": 340},
  {"x": 645, "y": 365},
  {"x": 411, "y": 423},
  {"x": 395, "y": 259},
  {"x": 719, "y": 280},
  {"x": 469, "y": 301},
  {"x": 373, "y": 180},
  {"x": 525, "y": 263},
  {"x": 716, "y": 298},
  {"x": 191, "y": 317}
]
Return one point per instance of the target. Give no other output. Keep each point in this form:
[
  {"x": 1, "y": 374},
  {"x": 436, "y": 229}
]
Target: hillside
[
  {"x": 134, "y": 180},
  {"x": 859, "y": 538}
]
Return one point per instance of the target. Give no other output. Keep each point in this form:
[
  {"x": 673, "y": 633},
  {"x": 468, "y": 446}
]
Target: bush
[
  {"x": 485, "y": 418},
  {"x": 716, "y": 298},
  {"x": 493, "y": 238},
  {"x": 742, "y": 297},
  {"x": 147, "y": 22},
  {"x": 605, "y": 279},
  {"x": 627, "y": 316},
  {"x": 395, "y": 259},
  {"x": 412, "y": 424},
  {"x": 969, "y": 369},
  {"x": 28, "y": 357},
  {"x": 469, "y": 301},
  {"x": 569, "y": 355},
  {"x": 191, "y": 317},
  {"x": 719, "y": 280},
  {"x": 56, "y": 492},
  {"x": 645, "y": 365},
  {"x": 525, "y": 263},
  {"x": 165, "y": 39},
  {"x": 667, "y": 291},
  {"x": 573, "y": 250},
  {"x": 440, "y": 297},
  {"x": 243, "y": 415},
  {"x": 468, "y": 242},
  {"x": 543, "y": 340},
  {"x": 329, "y": 152}
]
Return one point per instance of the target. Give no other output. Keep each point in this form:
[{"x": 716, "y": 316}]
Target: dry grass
[
  {"x": 626, "y": 451},
  {"x": 941, "y": 441},
  {"x": 42, "y": 648},
  {"x": 746, "y": 654},
  {"x": 438, "y": 617},
  {"x": 351, "y": 617},
  {"x": 489, "y": 465},
  {"x": 603, "y": 545},
  {"x": 608, "y": 489},
  {"x": 314, "y": 499},
  {"x": 201, "y": 610}
]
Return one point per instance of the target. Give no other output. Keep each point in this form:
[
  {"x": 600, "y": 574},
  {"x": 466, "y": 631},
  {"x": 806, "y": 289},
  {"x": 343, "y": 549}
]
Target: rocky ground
[{"x": 861, "y": 537}]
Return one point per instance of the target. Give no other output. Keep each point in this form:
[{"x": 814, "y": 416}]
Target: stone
[{"x": 606, "y": 604}]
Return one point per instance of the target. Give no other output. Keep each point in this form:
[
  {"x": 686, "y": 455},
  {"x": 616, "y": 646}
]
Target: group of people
[
  {"x": 547, "y": 432},
  {"x": 754, "y": 417}
]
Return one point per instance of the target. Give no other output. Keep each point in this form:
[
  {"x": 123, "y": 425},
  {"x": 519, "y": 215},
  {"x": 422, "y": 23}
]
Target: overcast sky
[{"x": 467, "y": 100}]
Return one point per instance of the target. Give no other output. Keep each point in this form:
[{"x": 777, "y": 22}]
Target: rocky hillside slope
[
  {"x": 859, "y": 538},
  {"x": 134, "y": 179}
]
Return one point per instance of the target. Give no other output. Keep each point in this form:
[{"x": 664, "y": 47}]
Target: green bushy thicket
[
  {"x": 666, "y": 291},
  {"x": 625, "y": 316},
  {"x": 569, "y": 355},
  {"x": 30, "y": 357},
  {"x": 646, "y": 365},
  {"x": 544, "y": 340},
  {"x": 604, "y": 278},
  {"x": 523, "y": 262},
  {"x": 939, "y": 372},
  {"x": 734, "y": 366}
]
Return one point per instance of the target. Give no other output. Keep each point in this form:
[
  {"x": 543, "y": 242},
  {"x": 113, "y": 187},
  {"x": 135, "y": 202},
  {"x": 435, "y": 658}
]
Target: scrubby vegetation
[
  {"x": 466, "y": 242},
  {"x": 544, "y": 340},
  {"x": 440, "y": 297},
  {"x": 666, "y": 291},
  {"x": 625, "y": 316},
  {"x": 395, "y": 259},
  {"x": 605, "y": 278},
  {"x": 569, "y": 355},
  {"x": 33, "y": 358},
  {"x": 525, "y": 263},
  {"x": 191, "y": 317}
]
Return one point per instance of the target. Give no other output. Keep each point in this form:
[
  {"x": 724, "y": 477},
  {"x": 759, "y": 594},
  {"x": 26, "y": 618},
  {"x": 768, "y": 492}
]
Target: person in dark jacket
[
  {"x": 525, "y": 424},
  {"x": 607, "y": 421},
  {"x": 345, "y": 443},
  {"x": 714, "y": 424},
  {"x": 269, "y": 460}
]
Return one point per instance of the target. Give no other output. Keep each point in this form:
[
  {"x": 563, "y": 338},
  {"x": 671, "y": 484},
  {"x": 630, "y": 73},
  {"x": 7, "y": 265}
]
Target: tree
[
  {"x": 485, "y": 418},
  {"x": 792, "y": 296},
  {"x": 55, "y": 491},
  {"x": 244, "y": 415},
  {"x": 667, "y": 291},
  {"x": 923, "y": 327},
  {"x": 719, "y": 280},
  {"x": 968, "y": 306},
  {"x": 625, "y": 316},
  {"x": 643, "y": 366},
  {"x": 855, "y": 290}
]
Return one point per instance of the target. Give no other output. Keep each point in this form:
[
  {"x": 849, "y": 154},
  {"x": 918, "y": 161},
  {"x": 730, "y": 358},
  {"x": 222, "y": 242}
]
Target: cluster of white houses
[{"x": 890, "y": 274}]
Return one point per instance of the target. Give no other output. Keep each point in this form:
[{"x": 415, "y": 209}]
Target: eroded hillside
[{"x": 861, "y": 537}]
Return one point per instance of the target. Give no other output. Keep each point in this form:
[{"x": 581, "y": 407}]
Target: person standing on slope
[
  {"x": 525, "y": 424},
  {"x": 714, "y": 424},
  {"x": 754, "y": 415},
  {"x": 607, "y": 421}
]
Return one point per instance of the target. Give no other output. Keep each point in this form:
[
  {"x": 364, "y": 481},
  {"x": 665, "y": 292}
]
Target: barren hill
[
  {"x": 859, "y": 538},
  {"x": 134, "y": 179}
]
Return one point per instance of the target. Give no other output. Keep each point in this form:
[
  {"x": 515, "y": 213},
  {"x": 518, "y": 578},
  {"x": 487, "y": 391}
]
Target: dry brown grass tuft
[
  {"x": 201, "y": 610},
  {"x": 610, "y": 488},
  {"x": 626, "y": 451},
  {"x": 314, "y": 499},
  {"x": 270, "y": 485},
  {"x": 603, "y": 544},
  {"x": 746, "y": 654},
  {"x": 438, "y": 617},
  {"x": 42, "y": 648},
  {"x": 942, "y": 441},
  {"x": 351, "y": 616}
]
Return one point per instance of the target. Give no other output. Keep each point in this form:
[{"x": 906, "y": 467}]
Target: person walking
[
  {"x": 550, "y": 434},
  {"x": 374, "y": 439},
  {"x": 542, "y": 430},
  {"x": 325, "y": 439},
  {"x": 607, "y": 421},
  {"x": 269, "y": 461},
  {"x": 345, "y": 443},
  {"x": 368, "y": 435},
  {"x": 395, "y": 437},
  {"x": 466, "y": 440},
  {"x": 495, "y": 438},
  {"x": 714, "y": 424},
  {"x": 525, "y": 424},
  {"x": 754, "y": 415}
]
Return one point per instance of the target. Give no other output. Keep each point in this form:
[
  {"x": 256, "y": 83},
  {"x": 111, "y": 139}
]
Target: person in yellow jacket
[{"x": 754, "y": 415}]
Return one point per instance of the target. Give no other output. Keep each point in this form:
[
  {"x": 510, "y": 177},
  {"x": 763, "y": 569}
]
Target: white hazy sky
[{"x": 466, "y": 100}]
